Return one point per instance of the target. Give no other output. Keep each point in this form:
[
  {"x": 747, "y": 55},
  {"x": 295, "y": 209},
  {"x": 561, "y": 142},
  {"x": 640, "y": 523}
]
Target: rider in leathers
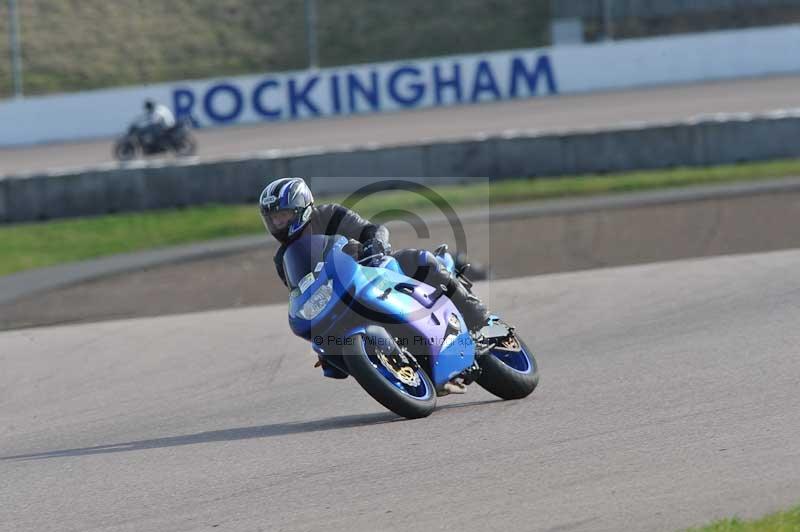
[{"x": 288, "y": 210}]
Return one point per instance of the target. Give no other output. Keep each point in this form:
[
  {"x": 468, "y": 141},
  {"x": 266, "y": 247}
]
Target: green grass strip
[
  {"x": 36, "y": 245},
  {"x": 777, "y": 522}
]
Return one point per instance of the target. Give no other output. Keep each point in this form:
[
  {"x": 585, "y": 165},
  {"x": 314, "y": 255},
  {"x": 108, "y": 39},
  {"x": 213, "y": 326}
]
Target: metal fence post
[
  {"x": 608, "y": 20},
  {"x": 311, "y": 33},
  {"x": 14, "y": 38}
]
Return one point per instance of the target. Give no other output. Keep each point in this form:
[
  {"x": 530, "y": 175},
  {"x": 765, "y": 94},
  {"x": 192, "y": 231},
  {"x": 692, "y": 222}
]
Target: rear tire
[
  {"x": 186, "y": 146},
  {"x": 506, "y": 382},
  {"x": 365, "y": 369}
]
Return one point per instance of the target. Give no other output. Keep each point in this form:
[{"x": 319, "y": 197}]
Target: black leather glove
[
  {"x": 375, "y": 248},
  {"x": 354, "y": 249}
]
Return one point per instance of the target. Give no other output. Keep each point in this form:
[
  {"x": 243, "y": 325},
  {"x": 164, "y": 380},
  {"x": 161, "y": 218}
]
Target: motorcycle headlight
[{"x": 317, "y": 302}]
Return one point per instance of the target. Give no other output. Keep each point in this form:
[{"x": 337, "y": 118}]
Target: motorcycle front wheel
[
  {"x": 124, "y": 149},
  {"x": 509, "y": 371},
  {"x": 406, "y": 391}
]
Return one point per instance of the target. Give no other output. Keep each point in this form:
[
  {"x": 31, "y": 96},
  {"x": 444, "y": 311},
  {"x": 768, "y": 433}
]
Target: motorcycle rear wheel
[
  {"x": 186, "y": 146},
  {"x": 381, "y": 385}
]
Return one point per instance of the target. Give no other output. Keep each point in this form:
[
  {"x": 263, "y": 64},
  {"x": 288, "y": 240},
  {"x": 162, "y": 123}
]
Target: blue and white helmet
[{"x": 286, "y": 194}]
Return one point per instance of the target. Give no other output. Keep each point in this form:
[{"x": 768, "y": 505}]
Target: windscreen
[{"x": 304, "y": 255}]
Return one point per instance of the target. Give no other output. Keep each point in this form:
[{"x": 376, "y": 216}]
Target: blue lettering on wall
[
  {"x": 367, "y": 89},
  {"x": 441, "y": 83},
  {"x": 484, "y": 82},
  {"x": 258, "y": 104},
  {"x": 223, "y": 117},
  {"x": 368, "y": 93},
  {"x": 542, "y": 67},
  {"x": 300, "y": 97},
  {"x": 453, "y": 82},
  {"x": 417, "y": 89},
  {"x": 183, "y": 103},
  {"x": 336, "y": 99}
]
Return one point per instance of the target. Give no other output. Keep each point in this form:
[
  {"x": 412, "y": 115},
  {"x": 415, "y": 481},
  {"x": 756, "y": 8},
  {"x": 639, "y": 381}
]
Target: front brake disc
[{"x": 403, "y": 370}]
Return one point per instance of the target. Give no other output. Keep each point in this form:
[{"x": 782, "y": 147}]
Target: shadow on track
[{"x": 243, "y": 433}]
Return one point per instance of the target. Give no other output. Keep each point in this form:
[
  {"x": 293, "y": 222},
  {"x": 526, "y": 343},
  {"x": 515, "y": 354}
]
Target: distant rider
[
  {"x": 288, "y": 211},
  {"x": 156, "y": 121}
]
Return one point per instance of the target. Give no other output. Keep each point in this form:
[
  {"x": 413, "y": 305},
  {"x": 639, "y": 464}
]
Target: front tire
[
  {"x": 378, "y": 381},
  {"x": 125, "y": 149},
  {"x": 509, "y": 376}
]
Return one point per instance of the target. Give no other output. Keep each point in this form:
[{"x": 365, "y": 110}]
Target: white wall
[
  {"x": 687, "y": 58},
  {"x": 412, "y": 84}
]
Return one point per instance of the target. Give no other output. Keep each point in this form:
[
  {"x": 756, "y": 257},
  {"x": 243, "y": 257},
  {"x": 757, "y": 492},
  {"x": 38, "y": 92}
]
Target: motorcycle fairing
[{"x": 410, "y": 310}]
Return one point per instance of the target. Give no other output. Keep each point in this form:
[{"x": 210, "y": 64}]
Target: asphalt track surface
[
  {"x": 668, "y": 398},
  {"x": 559, "y": 113}
]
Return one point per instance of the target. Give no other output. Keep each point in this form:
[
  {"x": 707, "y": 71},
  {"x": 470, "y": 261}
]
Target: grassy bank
[
  {"x": 36, "y": 245},
  {"x": 778, "y": 522},
  {"x": 71, "y": 45}
]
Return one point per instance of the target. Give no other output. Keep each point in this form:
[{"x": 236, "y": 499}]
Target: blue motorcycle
[{"x": 402, "y": 340}]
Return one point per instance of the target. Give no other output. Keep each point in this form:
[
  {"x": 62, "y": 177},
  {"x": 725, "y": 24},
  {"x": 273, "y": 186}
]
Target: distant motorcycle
[{"x": 141, "y": 140}]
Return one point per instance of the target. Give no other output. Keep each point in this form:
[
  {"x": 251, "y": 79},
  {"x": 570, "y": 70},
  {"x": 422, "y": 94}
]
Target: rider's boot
[
  {"x": 329, "y": 370},
  {"x": 475, "y": 313}
]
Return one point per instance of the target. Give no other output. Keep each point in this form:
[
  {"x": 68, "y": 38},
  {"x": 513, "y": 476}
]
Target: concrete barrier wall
[{"x": 137, "y": 187}]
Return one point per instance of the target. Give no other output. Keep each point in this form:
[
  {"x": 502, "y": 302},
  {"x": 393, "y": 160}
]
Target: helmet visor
[
  {"x": 282, "y": 219},
  {"x": 278, "y": 222}
]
